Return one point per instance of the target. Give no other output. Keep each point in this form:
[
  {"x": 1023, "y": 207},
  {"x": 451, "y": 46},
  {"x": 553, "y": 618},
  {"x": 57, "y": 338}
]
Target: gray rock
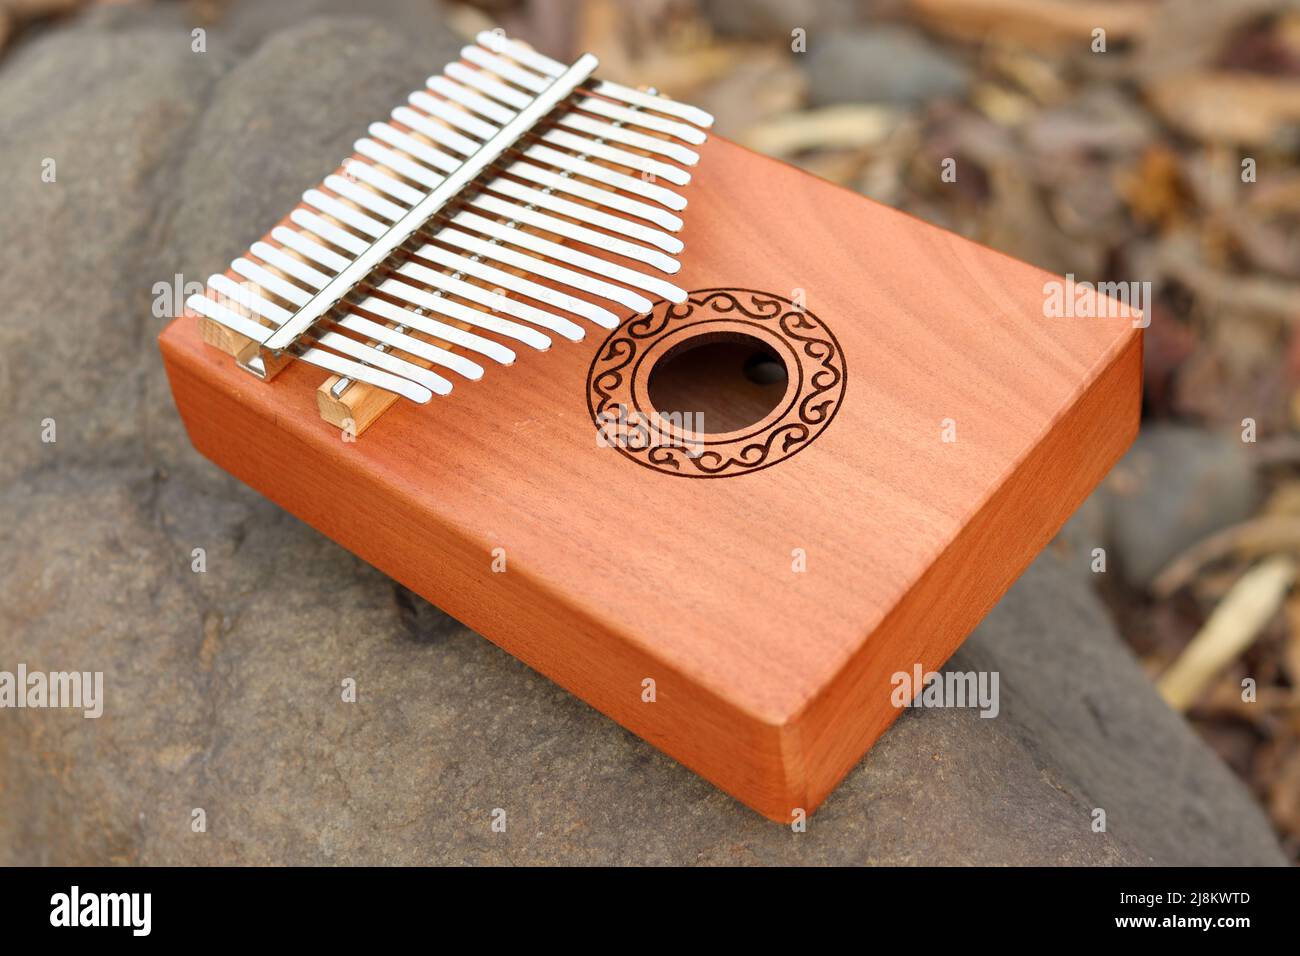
[
  {"x": 248, "y": 23},
  {"x": 880, "y": 65},
  {"x": 1176, "y": 486},
  {"x": 223, "y": 688}
]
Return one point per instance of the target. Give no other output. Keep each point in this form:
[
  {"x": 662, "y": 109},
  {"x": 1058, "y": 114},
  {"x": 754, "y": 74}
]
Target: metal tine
[
  {"x": 603, "y": 174},
  {"x": 542, "y": 177},
  {"x": 410, "y": 196},
  {"x": 285, "y": 263},
  {"x": 445, "y": 306},
  {"x": 440, "y": 331},
  {"x": 374, "y": 330},
  {"x": 470, "y": 100},
  {"x": 270, "y": 282},
  {"x": 293, "y": 267},
  {"x": 413, "y": 346},
  {"x": 594, "y": 104},
  {"x": 429, "y": 326},
  {"x": 425, "y": 383},
  {"x": 503, "y": 68},
  {"x": 413, "y": 171},
  {"x": 300, "y": 244},
  {"x": 384, "y": 360},
  {"x": 365, "y": 373},
  {"x": 228, "y": 317},
  {"x": 518, "y": 100},
  {"x": 466, "y": 290},
  {"x": 495, "y": 301},
  {"x": 344, "y": 213},
  {"x": 634, "y": 117},
  {"x": 457, "y": 117},
  {"x": 508, "y": 280},
  {"x": 541, "y": 267},
  {"x": 563, "y": 227},
  {"x": 534, "y": 173},
  {"x": 530, "y": 58},
  {"x": 409, "y": 144},
  {"x": 481, "y": 81},
  {"x": 498, "y": 42},
  {"x": 372, "y": 259},
  {"x": 393, "y": 212},
  {"x": 538, "y": 292},
  {"x": 434, "y": 384},
  {"x": 234, "y": 291},
  {"x": 595, "y": 217},
  {"x": 603, "y": 197},
  {"x": 394, "y": 187},
  {"x": 334, "y": 235},
  {"x": 363, "y": 197},
  {"x": 642, "y": 164},
  {"x": 435, "y": 131},
  {"x": 562, "y": 253},
  {"x": 398, "y": 164},
  {"x": 621, "y": 134},
  {"x": 533, "y": 290},
  {"x": 654, "y": 103}
]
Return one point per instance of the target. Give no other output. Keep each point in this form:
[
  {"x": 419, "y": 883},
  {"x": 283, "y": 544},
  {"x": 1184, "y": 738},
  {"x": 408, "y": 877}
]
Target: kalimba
[{"x": 722, "y": 471}]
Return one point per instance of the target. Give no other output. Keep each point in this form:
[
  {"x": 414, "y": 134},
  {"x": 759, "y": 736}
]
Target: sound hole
[{"x": 723, "y": 382}]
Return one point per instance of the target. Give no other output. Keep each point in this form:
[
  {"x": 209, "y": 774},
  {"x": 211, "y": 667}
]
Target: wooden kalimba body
[{"x": 507, "y": 253}]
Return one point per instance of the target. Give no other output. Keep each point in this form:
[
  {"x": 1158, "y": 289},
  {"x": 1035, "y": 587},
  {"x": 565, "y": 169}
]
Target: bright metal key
[{"x": 404, "y": 228}]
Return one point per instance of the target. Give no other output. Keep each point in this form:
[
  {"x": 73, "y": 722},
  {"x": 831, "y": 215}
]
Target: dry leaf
[
  {"x": 1218, "y": 290},
  {"x": 1183, "y": 36},
  {"x": 654, "y": 43},
  {"x": 1154, "y": 190},
  {"x": 1263, "y": 535},
  {"x": 34, "y": 9},
  {"x": 1291, "y": 646},
  {"x": 1034, "y": 22},
  {"x": 834, "y": 127},
  {"x": 1233, "y": 626},
  {"x": 1003, "y": 106},
  {"x": 1284, "y": 794},
  {"x": 1035, "y": 75},
  {"x": 1242, "y": 108},
  {"x": 763, "y": 84}
]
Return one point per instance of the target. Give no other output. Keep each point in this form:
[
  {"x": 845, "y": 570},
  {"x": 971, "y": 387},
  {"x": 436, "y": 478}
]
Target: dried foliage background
[{"x": 1119, "y": 165}]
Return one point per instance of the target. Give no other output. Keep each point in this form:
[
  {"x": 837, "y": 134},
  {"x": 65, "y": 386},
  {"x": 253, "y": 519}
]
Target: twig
[
  {"x": 1233, "y": 626},
  {"x": 1251, "y": 538}
]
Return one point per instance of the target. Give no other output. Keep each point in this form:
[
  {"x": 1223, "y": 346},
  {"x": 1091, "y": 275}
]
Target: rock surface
[
  {"x": 1176, "y": 486},
  {"x": 223, "y": 688}
]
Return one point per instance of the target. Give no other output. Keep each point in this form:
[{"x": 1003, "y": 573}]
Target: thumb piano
[{"x": 717, "y": 446}]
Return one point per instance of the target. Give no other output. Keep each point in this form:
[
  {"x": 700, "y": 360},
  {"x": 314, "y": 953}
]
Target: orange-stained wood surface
[{"x": 770, "y": 683}]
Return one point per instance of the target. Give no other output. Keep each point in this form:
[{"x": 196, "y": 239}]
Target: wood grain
[{"x": 769, "y": 682}]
